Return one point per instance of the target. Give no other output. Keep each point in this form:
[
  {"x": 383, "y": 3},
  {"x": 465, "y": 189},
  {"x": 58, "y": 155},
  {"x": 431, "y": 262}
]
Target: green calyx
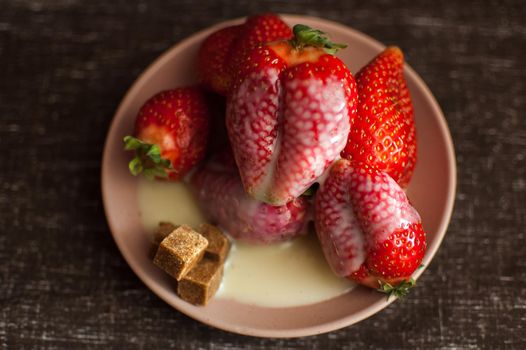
[
  {"x": 147, "y": 160},
  {"x": 307, "y": 36},
  {"x": 399, "y": 291}
]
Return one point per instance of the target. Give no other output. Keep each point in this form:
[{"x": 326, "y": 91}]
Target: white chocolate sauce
[
  {"x": 292, "y": 273},
  {"x": 288, "y": 274},
  {"x": 167, "y": 201}
]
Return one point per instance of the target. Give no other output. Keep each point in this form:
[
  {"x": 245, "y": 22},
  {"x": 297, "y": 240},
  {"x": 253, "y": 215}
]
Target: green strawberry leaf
[
  {"x": 307, "y": 36},
  {"x": 147, "y": 160},
  {"x": 132, "y": 143},
  {"x": 399, "y": 291},
  {"x": 154, "y": 153},
  {"x": 135, "y": 166}
]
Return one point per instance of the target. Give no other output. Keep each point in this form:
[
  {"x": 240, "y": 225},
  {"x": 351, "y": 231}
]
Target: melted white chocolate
[
  {"x": 288, "y": 274},
  {"x": 167, "y": 201},
  {"x": 281, "y": 275}
]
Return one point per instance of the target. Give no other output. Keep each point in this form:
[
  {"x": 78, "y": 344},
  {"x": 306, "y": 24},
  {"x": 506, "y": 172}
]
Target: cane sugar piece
[
  {"x": 218, "y": 243},
  {"x": 180, "y": 251},
  {"x": 201, "y": 283},
  {"x": 164, "y": 229}
]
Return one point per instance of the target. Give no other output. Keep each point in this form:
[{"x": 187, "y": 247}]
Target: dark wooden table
[{"x": 65, "y": 65}]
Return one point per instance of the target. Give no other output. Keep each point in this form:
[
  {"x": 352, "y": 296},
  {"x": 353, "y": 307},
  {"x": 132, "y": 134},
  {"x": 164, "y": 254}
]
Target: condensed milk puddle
[
  {"x": 288, "y": 274},
  {"x": 167, "y": 201}
]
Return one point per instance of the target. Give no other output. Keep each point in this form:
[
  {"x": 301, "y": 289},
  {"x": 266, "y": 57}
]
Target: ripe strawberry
[
  {"x": 218, "y": 50},
  {"x": 383, "y": 133},
  {"x": 368, "y": 230},
  {"x": 171, "y": 132},
  {"x": 288, "y": 114},
  {"x": 222, "y": 198},
  {"x": 212, "y": 60},
  {"x": 258, "y": 29}
]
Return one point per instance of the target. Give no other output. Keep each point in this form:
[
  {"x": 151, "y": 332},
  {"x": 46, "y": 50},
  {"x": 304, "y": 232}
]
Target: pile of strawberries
[{"x": 307, "y": 141}]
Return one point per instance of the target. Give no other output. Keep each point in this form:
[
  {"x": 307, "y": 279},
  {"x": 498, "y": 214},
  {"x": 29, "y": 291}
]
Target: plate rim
[{"x": 301, "y": 331}]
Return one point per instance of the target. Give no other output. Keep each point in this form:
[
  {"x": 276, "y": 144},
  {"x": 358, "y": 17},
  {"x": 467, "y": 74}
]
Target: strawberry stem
[
  {"x": 147, "y": 160},
  {"x": 399, "y": 291},
  {"x": 307, "y": 36}
]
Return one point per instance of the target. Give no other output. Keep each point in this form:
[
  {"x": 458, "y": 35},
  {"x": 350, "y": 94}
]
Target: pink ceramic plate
[{"x": 432, "y": 192}]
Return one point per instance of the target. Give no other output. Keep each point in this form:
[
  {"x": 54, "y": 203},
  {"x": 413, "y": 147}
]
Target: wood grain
[{"x": 65, "y": 65}]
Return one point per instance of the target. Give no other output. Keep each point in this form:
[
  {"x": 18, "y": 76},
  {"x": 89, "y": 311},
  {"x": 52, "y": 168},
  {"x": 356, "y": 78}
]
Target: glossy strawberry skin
[
  {"x": 220, "y": 49},
  {"x": 262, "y": 28},
  {"x": 178, "y": 122},
  {"x": 383, "y": 133},
  {"x": 222, "y": 197},
  {"x": 288, "y": 117},
  {"x": 368, "y": 230},
  {"x": 213, "y": 56},
  {"x": 396, "y": 259}
]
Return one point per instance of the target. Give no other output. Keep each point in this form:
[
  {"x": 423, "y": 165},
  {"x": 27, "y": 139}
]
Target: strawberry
[
  {"x": 383, "y": 133},
  {"x": 288, "y": 114},
  {"x": 212, "y": 60},
  {"x": 368, "y": 230},
  {"x": 258, "y": 29},
  {"x": 219, "y": 49},
  {"x": 171, "y": 132},
  {"x": 221, "y": 196}
]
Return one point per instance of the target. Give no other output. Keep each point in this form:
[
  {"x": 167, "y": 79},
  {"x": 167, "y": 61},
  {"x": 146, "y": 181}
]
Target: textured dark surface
[{"x": 65, "y": 65}]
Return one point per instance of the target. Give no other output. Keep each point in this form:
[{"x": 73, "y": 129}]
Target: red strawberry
[
  {"x": 258, "y": 29},
  {"x": 220, "y": 48},
  {"x": 383, "y": 134},
  {"x": 368, "y": 230},
  {"x": 171, "y": 132},
  {"x": 212, "y": 61},
  {"x": 288, "y": 114},
  {"x": 221, "y": 195}
]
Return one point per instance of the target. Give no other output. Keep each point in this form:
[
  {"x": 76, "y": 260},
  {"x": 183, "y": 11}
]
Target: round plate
[{"x": 431, "y": 191}]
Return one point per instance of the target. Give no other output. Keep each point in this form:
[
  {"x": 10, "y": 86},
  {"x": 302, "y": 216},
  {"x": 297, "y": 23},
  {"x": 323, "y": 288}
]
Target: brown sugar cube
[
  {"x": 164, "y": 229},
  {"x": 201, "y": 283},
  {"x": 218, "y": 243},
  {"x": 180, "y": 251}
]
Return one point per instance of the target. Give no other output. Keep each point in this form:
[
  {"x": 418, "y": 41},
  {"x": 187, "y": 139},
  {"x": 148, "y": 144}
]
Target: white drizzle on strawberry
[
  {"x": 315, "y": 124},
  {"x": 289, "y": 114},
  {"x": 252, "y": 125},
  {"x": 356, "y": 211},
  {"x": 338, "y": 228},
  {"x": 381, "y": 204}
]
